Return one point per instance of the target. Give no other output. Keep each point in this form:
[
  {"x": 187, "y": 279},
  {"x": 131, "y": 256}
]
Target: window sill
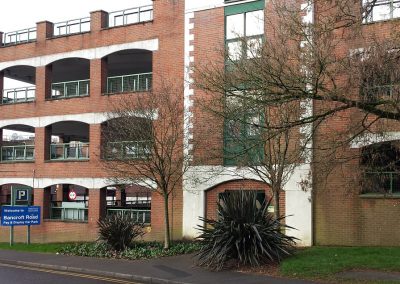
[
  {"x": 17, "y": 162},
  {"x": 380, "y": 196},
  {"x": 65, "y": 221},
  {"x": 381, "y": 21},
  {"x": 67, "y": 160}
]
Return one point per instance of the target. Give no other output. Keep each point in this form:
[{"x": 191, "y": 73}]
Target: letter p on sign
[{"x": 22, "y": 195}]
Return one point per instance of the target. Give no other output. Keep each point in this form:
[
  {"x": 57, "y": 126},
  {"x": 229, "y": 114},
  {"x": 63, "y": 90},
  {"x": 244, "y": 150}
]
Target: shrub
[
  {"x": 119, "y": 230},
  {"x": 244, "y": 233}
]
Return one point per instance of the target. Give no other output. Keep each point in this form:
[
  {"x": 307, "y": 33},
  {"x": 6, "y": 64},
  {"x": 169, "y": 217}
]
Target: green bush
[
  {"x": 243, "y": 233},
  {"x": 138, "y": 250},
  {"x": 119, "y": 230}
]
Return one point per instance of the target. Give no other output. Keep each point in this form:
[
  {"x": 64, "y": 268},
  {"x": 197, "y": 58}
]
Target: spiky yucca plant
[
  {"x": 119, "y": 230},
  {"x": 244, "y": 233}
]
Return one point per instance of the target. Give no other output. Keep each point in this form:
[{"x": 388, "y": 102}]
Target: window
[
  {"x": 381, "y": 10},
  {"x": 244, "y": 34},
  {"x": 243, "y": 142},
  {"x": 381, "y": 168}
]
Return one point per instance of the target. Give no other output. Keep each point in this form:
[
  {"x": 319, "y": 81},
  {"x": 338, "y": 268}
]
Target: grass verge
[
  {"x": 45, "y": 248},
  {"x": 325, "y": 262}
]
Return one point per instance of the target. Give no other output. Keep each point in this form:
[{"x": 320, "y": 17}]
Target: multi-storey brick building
[{"x": 74, "y": 70}]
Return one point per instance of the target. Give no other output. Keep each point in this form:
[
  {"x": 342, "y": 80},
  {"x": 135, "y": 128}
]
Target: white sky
[{"x": 20, "y": 14}]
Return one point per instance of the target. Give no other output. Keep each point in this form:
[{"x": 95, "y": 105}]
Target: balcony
[
  {"x": 70, "y": 89},
  {"x": 69, "y": 151},
  {"x": 18, "y": 153},
  {"x": 130, "y": 16},
  {"x": 21, "y": 36},
  {"x": 129, "y": 83},
  {"x": 139, "y": 216},
  {"x": 128, "y": 150},
  {"x": 69, "y": 27},
  {"x": 69, "y": 211},
  {"x": 18, "y": 95}
]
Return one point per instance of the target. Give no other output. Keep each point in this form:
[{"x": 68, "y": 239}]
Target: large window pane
[
  {"x": 255, "y": 23},
  {"x": 235, "y": 50},
  {"x": 235, "y": 26},
  {"x": 254, "y": 47}
]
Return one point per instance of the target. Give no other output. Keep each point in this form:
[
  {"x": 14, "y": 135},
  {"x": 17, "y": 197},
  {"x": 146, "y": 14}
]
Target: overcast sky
[{"x": 20, "y": 14}]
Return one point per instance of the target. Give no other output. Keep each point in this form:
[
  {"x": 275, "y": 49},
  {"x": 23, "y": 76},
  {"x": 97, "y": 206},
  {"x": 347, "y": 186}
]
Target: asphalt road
[{"x": 15, "y": 274}]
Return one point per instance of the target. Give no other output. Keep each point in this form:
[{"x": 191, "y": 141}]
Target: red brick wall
[{"x": 212, "y": 194}]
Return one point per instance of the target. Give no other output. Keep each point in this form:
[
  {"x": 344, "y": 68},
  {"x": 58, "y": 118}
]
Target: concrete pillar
[
  {"x": 95, "y": 143},
  {"x": 97, "y": 205},
  {"x": 41, "y": 198},
  {"x": 44, "y": 30},
  {"x": 1, "y": 38},
  {"x": 98, "y": 20},
  {"x": 98, "y": 77},
  {"x": 42, "y": 144},
  {"x": 43, "y": 83}
]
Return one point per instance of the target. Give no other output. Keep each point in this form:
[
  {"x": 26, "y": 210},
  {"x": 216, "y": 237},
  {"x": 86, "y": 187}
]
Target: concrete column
[
  {"x": 1, "y": 38},
  {"x": 42, "y": 144},
  {"x": 41, "y": 197},
  {"x": 44, "y": 30},
  {"x": 98, "y": 77},
  {"x": 97, "y": 205},
  {"x": 43, "y": 83},
  {"x": 98, "y": 20},
  {"x": 95, "y": 143}
]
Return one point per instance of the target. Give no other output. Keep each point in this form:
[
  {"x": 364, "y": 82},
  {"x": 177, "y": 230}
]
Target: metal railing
[
  {"x": 129, "y": 83},
  {"x": 17, "y": 153},
  {"x": 69, "y": 151},
  {"x": 75, "y": 26},
  {"x": 68, "y": 214},
  {"x": 18, "y": 95},
  {"x": 128, "y": 150},
  {"x": 130, "y": 16},
  {"x": 21, "y": 36},
  {"x": 140, "y": 216},
  {"x": 381, "y": 182},
  {"x": 130, "y": 203},
  {"x": 382, "y": 91},
  {"x": 70, "y": 89}
]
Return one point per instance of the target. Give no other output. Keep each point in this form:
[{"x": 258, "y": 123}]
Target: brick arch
[{"x": 242, "y": 184}]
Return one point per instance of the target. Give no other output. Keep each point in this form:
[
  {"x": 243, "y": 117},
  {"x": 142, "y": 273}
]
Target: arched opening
[
  {"x": 129, "y": 71},
  {"x": 18, "y": 84},
  {"x": 70, "y": 78},
  {"x": 214, "y": 194},
  {"x": 380, "y": 167},
  {"x": 126, "y": 138},
  {"x": 17, "y": 143},
  {"x": 67, "y": 202},
  {"x": 68, "y": 140},
  {"x": 132, "y": 200}
]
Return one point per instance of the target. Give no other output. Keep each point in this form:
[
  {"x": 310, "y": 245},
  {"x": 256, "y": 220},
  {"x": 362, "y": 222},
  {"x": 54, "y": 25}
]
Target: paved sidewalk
[{"x": 178, "y": 269}]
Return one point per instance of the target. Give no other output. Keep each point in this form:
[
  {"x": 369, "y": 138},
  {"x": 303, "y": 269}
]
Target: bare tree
[
  {"x": 334, "y": 64},
  {"x": 143, "y": 141}
]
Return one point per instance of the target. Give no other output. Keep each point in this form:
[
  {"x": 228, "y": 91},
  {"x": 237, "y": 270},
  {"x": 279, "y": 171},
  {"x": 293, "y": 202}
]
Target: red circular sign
[{"x": 72, "y": 195}]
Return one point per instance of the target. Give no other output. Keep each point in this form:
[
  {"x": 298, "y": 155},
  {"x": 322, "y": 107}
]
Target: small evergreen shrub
[
  {"x": 119, "y": 230},
  {"x": 243, "y": 233}
]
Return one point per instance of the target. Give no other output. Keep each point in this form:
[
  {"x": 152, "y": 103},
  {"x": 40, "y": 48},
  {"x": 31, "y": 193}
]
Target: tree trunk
[
  {"x": 276, "y": 205},
  {"x": 167, "y": 237}
]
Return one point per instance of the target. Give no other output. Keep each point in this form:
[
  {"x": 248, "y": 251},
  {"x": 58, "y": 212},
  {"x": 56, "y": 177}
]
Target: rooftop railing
[
  {"x": 75, "y": 26},
  {"x": 70, "y": 89},
  {"x": 17, "y": 153},
  {"x": 130, "y": 16},
  {"x": 18, "y": 95},
  {"x": 21, "y": 36},
  {"x": 129, "y": 83}
]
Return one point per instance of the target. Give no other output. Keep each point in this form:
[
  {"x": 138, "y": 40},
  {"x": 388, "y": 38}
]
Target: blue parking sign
[{"x": 20, "y": 215}]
